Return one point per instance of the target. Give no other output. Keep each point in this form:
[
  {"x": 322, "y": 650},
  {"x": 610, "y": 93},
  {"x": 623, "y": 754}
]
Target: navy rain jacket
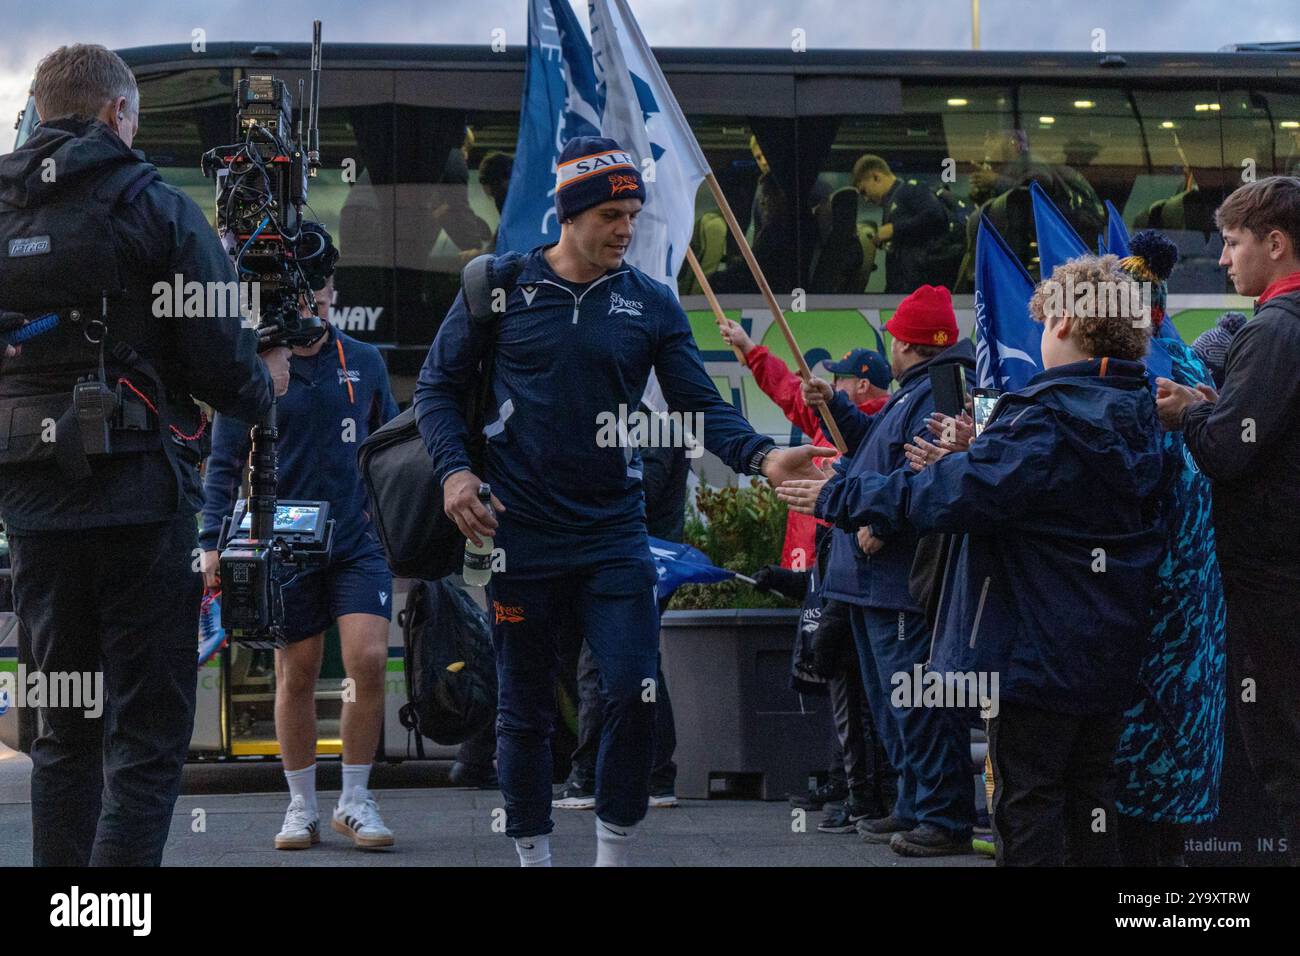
[
  {"x": 875, "y": 447},
  {"x": 1052, "y": 575}
]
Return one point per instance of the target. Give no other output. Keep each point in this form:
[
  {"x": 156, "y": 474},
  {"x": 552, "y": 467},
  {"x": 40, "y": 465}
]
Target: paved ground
[{"x": 437, "y": 825}]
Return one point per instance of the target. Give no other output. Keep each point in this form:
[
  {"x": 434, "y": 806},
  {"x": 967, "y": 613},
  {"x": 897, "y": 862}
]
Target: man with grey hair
[{"x": 100, "y": 442}]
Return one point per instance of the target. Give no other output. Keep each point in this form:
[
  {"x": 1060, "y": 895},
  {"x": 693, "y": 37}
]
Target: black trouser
[
  {"x": 1264, "y": 648},
  {"x": 1054, "y": 787},
  {"x": 591, "y": 717},
  {"x": 125, "y": 602},
  {"x": 857, "y": 756},
  {"x": 1144, "y": 843}
]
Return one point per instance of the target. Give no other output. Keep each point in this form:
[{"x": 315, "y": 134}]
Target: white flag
[{"x": 642, "y": 115}]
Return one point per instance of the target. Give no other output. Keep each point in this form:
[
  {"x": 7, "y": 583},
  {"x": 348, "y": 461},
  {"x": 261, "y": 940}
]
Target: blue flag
[
  {"x": 1057, "y": 240},
  {"x": 559, "y": 103},
  {"x": 1116, "y": 232},
  {"x": 1007, "y": 341},
  {"x": 678, "y": 564},
  {"x": 1159, "y": 361}
]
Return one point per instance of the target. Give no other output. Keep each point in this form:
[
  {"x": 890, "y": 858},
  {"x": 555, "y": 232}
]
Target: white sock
[
  {"x": 302, "y": 783},
  {"x": 613, "y": 844},
  {"x": 356, "y": 776},
  {"x": 533, "y": 851}
]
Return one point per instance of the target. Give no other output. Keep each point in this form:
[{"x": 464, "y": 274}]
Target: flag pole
[
  {"x": 718, "y": 314},
  {"x": 804, "y": 371},
  {"x": 668, "y": 103}
]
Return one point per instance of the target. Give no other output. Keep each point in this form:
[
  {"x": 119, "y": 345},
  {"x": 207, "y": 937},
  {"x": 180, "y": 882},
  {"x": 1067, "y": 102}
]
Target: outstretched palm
[{"x": 786, "y": 464}]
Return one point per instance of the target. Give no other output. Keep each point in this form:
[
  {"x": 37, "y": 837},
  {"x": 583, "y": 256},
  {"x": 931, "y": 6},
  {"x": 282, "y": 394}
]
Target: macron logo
[
  {"x": 621, "y": 306},
  {"x": 529, "y": 292},
  {"x": 383, "y": 597}
]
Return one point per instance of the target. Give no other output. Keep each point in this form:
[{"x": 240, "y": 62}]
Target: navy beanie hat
[{"x": 592, "y": 170}]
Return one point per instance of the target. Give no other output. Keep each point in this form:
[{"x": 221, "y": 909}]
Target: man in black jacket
[
  {"x": 1247, "y": 440},
  {"x": 104, "y": 539},
  {"x": 913, "y": 222}
]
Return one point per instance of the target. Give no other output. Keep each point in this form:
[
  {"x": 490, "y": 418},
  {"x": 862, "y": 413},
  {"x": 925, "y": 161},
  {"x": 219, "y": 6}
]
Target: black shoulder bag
[{"x": 418, "y": 538}]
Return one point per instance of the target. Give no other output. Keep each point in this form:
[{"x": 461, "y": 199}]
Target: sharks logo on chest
[{"x": 621, "y": 306}]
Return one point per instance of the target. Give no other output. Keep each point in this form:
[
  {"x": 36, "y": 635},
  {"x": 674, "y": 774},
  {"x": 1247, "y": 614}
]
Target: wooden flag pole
[
  {"x": 718, "y": 314},
  {"x": 804, "y": 371}
]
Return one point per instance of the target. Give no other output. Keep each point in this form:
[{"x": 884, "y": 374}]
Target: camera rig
[{"x": 261, "y": 190}]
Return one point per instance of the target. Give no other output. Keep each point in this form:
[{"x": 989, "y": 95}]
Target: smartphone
[
  {"x": 983, "y": 400},
  {"x": 948, "y": 383}
]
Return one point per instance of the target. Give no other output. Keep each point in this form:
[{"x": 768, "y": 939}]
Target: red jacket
[{"x": 785, "y": 388}]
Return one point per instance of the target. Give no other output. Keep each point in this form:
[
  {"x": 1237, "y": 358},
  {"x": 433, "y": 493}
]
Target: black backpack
[
  {"x": 418, "y": 539},
  {"x": 451, "y": 679}
]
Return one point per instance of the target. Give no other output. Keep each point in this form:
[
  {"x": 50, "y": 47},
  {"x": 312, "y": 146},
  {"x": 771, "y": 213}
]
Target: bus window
[
  {"x": 448, "y": 205},
  {"x": 1059, "y": 133},
  {"x": 1183, "y": 182},
  {"x": 744, "y": 174},
  {"x": 924, "y": 156},
  {"x": 1261, "y": 133},
  {"x": 183, "y": 114}
]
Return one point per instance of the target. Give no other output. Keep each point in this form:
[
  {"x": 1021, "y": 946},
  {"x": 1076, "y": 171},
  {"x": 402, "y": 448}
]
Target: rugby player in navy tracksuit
[
  {"x": 338, "y": 394},
  {"x": 579, "y": 337}
]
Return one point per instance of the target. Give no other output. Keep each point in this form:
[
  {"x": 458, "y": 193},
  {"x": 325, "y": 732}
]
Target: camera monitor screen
[{"x": 290, "y": 518}]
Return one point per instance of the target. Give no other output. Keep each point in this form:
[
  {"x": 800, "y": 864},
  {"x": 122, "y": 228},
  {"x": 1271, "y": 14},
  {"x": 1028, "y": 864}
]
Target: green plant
[{"x": 740, "y": 529}]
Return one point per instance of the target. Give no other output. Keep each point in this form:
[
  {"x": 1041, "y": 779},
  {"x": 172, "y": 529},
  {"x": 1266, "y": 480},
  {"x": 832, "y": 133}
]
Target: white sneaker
[
  {"x": 663, "y": 800},
  {"x": 301, "y": 827},
  {"x": 360, "y": 820}
]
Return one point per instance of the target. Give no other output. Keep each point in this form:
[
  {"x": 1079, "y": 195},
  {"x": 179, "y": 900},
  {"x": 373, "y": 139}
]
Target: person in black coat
[
  {"x": 912, "y": 223},
  {"x": 1247, "y": 440}
]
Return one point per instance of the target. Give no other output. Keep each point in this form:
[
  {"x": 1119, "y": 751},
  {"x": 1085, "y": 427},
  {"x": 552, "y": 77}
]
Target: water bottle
[{"x": 478, "y": 557}]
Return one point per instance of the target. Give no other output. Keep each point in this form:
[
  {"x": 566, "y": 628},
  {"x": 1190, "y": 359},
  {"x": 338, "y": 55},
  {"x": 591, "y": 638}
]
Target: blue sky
[{"x": 29, "y": 30}]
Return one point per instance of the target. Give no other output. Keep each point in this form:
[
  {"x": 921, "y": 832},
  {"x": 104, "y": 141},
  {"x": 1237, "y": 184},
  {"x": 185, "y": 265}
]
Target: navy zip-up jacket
[
  {"x": 1055, "y": 508},
  {"x": 875, "y": 445},
  {"x": 321, "y": 425},
  {"x": 568, "y": 355}
]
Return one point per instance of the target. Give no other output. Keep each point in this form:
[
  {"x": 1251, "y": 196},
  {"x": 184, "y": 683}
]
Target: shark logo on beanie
[{"x": 592, "y": 170}]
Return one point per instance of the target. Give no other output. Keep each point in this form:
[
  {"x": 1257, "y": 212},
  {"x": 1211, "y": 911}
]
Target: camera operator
[
  {"x": 338, "y": 394},
  {"x": 100, "y": 510}
]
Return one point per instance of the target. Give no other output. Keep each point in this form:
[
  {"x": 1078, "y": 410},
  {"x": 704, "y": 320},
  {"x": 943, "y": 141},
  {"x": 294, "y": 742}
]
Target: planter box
[{"x": 738, "y": 722}]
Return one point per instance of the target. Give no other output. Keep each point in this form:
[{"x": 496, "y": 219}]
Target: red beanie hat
[{"x": 925, "y": 318}]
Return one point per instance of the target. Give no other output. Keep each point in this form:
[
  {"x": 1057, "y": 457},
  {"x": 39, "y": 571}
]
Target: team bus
[{"x": 416, "y": 144}]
